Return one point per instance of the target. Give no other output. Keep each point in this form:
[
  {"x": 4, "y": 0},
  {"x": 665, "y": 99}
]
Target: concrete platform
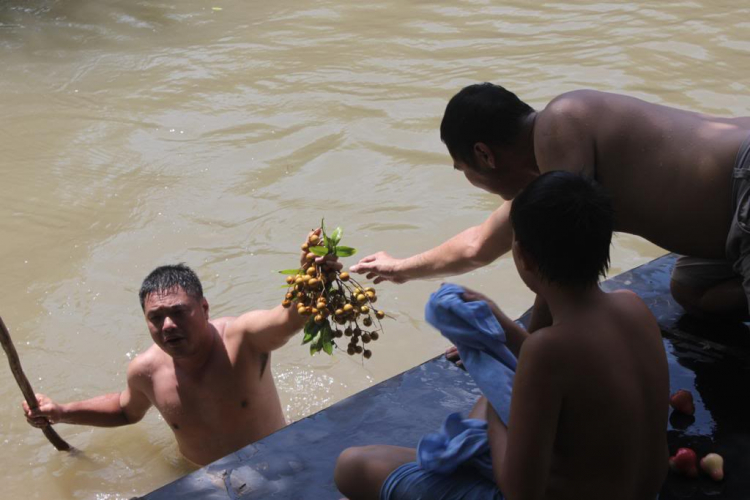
[{"x": 710, "y": 359}]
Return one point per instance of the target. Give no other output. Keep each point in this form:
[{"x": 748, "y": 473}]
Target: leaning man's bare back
[
  {"x": 669, "y": 171},
  {"x": 232, "y": 401}
]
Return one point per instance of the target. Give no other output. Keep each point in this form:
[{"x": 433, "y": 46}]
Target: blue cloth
[
  {"x": 410, "y": 482},
  {"x": 480, "y": 340}
]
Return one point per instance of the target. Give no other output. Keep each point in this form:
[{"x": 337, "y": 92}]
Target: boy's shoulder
[{"x": 558, "y": 342}]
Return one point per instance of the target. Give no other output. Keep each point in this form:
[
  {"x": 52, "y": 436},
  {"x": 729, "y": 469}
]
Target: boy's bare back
[{"x": 611, "y": 369}]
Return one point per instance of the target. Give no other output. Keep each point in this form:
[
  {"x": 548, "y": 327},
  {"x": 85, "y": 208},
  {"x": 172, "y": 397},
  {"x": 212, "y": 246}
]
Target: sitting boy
[{"x": 588, "y": 413}]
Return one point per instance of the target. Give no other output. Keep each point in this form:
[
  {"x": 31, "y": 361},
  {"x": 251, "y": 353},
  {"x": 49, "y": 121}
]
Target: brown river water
[{"x": 218, "y": 132}]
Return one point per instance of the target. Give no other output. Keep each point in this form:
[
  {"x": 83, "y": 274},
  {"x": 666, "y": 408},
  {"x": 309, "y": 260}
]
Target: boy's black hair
[
  {"x": 565, "y": 222},
  {"x": 165, "y": 278},
  {"x": 482, "y": 112}
]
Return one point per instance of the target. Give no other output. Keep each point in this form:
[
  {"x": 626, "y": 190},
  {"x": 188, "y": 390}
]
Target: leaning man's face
[
  {"x": 491, "y": 181},
  {"x": 175, "y": 320}
]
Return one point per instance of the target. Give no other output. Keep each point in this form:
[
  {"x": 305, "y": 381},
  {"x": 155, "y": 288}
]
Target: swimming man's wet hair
[
  {"x": 483, "y": 112},
  {"x": 165, "y": 278},
  {"x": 565, "y": 222}
]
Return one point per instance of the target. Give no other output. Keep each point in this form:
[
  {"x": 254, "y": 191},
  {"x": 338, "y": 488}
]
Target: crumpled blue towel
[{"x": 480, "y": 340}]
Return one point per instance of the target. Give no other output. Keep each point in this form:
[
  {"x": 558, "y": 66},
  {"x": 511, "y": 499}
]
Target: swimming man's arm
[
  {"x": 109, "y": 410},
  {"x": 468, "y": 250},
  {"x": 522, "y": 451},
  {"x": 267, "y": 330}
]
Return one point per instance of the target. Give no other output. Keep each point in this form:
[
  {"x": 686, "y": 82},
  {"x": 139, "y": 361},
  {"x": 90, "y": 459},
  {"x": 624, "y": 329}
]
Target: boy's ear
[
  {"x": 484, "y": 156},
  {"x": 527, "y": 262},
  {"x": 204, "y": 305}
]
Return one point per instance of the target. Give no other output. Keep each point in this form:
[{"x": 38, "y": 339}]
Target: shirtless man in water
[
  {"x": 669, "y": 172},
  {"x": 209, "y": 378}
]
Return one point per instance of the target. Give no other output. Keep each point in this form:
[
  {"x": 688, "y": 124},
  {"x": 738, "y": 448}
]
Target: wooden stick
[{"x": 23, "y": 383}]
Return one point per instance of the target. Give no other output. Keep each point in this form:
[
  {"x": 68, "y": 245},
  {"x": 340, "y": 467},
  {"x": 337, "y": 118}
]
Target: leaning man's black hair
[
  {"x": 166, "y": 278},
  {"x": 565, "y": 222},
  {"x": 483, "y": 112}
]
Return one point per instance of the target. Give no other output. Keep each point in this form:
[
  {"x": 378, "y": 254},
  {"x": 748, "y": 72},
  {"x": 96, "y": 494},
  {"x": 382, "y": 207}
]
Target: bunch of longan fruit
[{"x": 337, "y": 305}]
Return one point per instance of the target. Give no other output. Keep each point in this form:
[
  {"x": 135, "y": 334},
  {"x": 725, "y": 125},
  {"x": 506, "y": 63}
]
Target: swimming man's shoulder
[{"x": 144, "y": 366}]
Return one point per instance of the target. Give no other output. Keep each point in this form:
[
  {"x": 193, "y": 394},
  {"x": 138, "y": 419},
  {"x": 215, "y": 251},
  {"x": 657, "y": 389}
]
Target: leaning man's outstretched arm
[
  {"x": 473, "y": 248},
  {"x": 109, "y": 410}
]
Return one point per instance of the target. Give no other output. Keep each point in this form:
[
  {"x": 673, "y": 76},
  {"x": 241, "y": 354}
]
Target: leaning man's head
[
  {"x": 563, "y": 225},
  {"x": 483, "y": 113},
  {"x": 176, "y": 311}
]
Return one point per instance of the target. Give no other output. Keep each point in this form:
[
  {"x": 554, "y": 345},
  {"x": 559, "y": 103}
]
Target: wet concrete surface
[{"x": 710, "y": 359}]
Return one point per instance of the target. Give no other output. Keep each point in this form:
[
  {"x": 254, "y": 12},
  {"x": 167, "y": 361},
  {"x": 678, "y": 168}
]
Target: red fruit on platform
[
  {"x": 713, "y": 465},
  {"x": 684, "y": 462},
  {"x": 682, "y": 401}
]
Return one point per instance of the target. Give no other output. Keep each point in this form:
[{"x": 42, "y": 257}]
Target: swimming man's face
[{"x": 176, "y": 321}]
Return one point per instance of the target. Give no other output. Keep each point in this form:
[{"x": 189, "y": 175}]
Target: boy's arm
[
  {"x": 515, "y": 334},
  {"x": 522, "y": 453},
  {"x": 109, "y": 410},
  {"x": 468, "y": 250}
]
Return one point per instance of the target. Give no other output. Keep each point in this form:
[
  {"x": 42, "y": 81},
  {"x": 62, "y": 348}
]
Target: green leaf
[
  {"x": 328, "y": 346},
  {"x": 311, "y": 330},
  {"x": 316, "y": 344},
  {"x": 319, "y": 251},
  {"x": 342, "y": 251},
  {"x": 290, "y": 271},
  {"x": 336, "y": 236},
  {"x": 323, "y": 226}
]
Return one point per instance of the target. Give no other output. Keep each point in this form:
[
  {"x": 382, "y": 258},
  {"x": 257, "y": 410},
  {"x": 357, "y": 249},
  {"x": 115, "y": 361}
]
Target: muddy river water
[{"x": 218, "y": 132}]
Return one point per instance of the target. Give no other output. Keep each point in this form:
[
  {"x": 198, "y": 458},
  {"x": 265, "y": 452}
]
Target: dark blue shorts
[{"x": 409, "y": 482}]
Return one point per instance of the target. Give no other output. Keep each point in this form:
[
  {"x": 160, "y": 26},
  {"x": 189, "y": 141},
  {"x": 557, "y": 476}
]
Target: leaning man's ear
[
  {"x": 484, "y": 156},
  {"x": 204, "y": 305}
]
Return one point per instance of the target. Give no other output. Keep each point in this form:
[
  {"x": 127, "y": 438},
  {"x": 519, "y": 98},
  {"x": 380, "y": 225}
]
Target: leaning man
[{"x": 209, "y": 378}]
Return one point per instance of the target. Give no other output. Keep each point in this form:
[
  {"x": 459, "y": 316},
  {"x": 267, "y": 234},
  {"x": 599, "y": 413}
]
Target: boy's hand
[
  {"x": 47, "y": 413},
  {"x": 452, "y": 355},
  {"x": 472, "y": 296}
]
